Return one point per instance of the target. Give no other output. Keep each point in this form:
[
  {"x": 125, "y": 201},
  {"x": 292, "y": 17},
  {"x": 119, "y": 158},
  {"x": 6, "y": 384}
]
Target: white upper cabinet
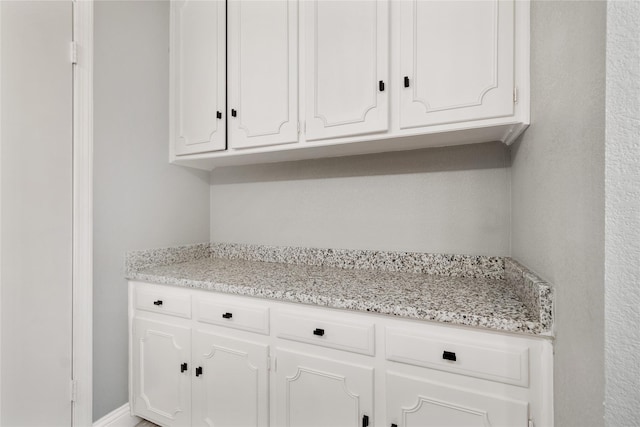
[
  {"x": 456, "y": 61},
  {"x": 198, "y": 49},
  {"x": 323, "y": 78},
  {"x": 346, "y": 51},
  {"x": 263, "y": 72}
]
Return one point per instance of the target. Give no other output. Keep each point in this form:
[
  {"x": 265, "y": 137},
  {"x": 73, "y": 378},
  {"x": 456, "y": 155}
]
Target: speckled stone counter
[{"x": 489, "y": 292}]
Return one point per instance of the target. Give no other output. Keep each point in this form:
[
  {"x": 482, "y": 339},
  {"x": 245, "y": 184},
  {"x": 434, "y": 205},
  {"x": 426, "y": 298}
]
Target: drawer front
[
  {"x": 501, "y": 363},
  {"x": 354, "y": 336},
  {"x": 165, "y": 302},
  {"x": 247, "y": 317}
]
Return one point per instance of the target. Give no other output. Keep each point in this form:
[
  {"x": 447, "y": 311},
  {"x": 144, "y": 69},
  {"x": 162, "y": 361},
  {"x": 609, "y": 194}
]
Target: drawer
[
  {"x": 219, "y": 311},
  {"x": 349, "y": 335},
  {"x": 496, "y": 362},
  {"x": 164, "y": 301}
]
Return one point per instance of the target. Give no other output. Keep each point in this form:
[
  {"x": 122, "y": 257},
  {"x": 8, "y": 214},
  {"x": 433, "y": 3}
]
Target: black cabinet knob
[
  {"x": 234, "y": 113},
  {"x": 381, "y": 86},
  {"x": 227, "y": 315},
  {"x": 159, "y": 302},
  {"x": 449, "y": 355},
  {"x": 365, "y": 421},
  {"x": 218, "y": 114},
  {"x": 183, "y": 367},
  {"x": 198, "y": 371},
  {"x": 319, "y": 332},
  {"x": 406, "y": 81}
]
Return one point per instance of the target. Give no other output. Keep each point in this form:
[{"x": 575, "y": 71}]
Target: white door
[
  {"x": 346, "y": 84},
  {"x": 263, "y": 72},
  {"x": 198, "y": 49},
  {"x": 417, "y": 402},
  {"x": 319, "y": 392},
  {"x": 457, "y": 61},
  {"x": 230, "y": 382},
  {"x": 36, "y": 199},
  {"x": 162, "y": 367}
]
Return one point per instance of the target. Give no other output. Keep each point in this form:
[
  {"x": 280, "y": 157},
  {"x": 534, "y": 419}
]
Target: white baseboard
[{"x": 120, "y": 417}]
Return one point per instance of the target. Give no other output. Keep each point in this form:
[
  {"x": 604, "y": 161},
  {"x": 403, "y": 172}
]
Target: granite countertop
[{"x": 472, "y": 291}]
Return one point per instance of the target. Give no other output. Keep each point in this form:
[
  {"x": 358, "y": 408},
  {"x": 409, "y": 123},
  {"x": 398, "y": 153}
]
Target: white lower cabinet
[
  {"x": 319, "y": 392},
  {"x": 231, "y": 383},
  {"x": 237, "y": 361},
  {"x": 161, "y": 372},
  {"x": 418, "y": 402},
  {"x": 183, "y": 376}
]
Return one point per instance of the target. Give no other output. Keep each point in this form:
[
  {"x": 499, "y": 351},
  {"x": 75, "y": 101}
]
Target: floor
[{"x": 145, "y": 423}]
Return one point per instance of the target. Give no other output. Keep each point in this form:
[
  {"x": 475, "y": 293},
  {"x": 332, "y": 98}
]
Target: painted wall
[
  {"x": 557, "y": 192},
  {"x": 449, "y": 200},
  {"x": 622, "y": 213},
  {"x": 140, "y": 200}
]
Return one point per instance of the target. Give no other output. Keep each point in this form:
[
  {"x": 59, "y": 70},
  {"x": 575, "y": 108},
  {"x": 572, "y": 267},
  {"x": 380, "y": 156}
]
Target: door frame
[
  {"x": 82, "y": 276},
  {"x": 82, "y": 228}
]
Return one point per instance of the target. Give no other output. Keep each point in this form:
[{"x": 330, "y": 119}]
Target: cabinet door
[
  {"x": 457, "y": 61},
  {"x": 346, "y": 49},
  {"x": 263, "y": 72},
  {"x": 198, "y": 76},
  {"x": 161, "y": 372},
  {"x": 416, "y": 402},
  {"x": 230, "y": 382},
  {"x": 318, "y": 392}
]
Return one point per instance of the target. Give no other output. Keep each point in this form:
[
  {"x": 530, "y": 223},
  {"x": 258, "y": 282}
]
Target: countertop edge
[{"x": 445, "y": 317}]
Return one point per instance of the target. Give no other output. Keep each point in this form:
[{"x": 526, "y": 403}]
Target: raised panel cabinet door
[
  {"x": 346, "y": 67},
  {"x": 456, "y": 61},
  {"x": 417, "y": 402},
  {"x": 263, "y": 72},
  {"x": 198, "y": 74},
  {"x": 230, "y": 381},
  {"x": 162, "y": 372},
  {"x": 319, "y": 392}
]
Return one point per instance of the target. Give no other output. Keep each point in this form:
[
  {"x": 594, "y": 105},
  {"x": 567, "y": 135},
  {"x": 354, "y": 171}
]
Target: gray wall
[
  {"x": 558, "y": 195},
  {"x": 447, "y": 200},
  {"x": 140, "y": 200},
  {"x": 622, "y": 213}
]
